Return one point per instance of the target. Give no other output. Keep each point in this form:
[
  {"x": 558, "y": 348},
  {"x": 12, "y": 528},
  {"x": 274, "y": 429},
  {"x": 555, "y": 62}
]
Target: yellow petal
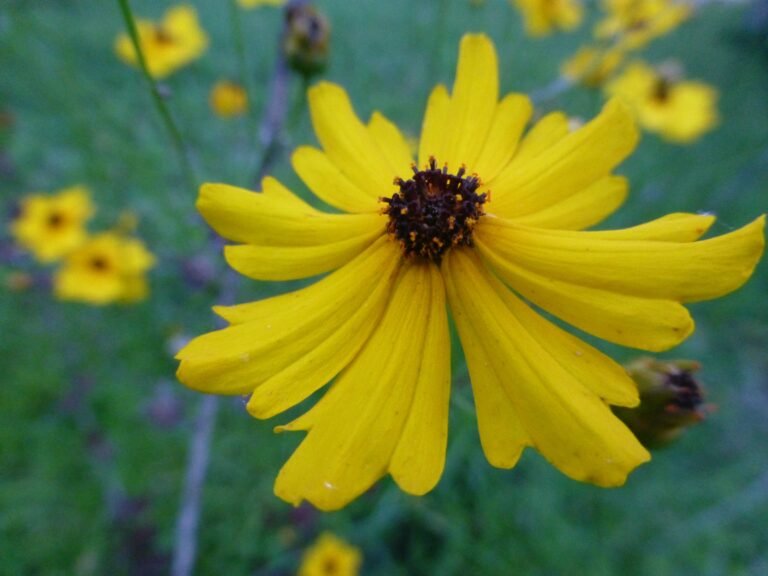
[
  {"x": 294, "y": 262},
  {"x": 568, "y": 166},
  {"x": 473, "y": 102},
  {"x": 272, "y": 334},
  {"x": 372, "y": 397},
  {"x": 512, "y": 114},
  {"x": 581, "y": 210},
  {"x": 684, "y": 271},
  {"x": 273, "y": 219},
  {"x": 566, "y": 421},
  {"x": 433, "y": 127},
  {"x": 347, "y": 141},
  {"x": 543, "y": 135},
  {"x": 419, "y": 458},
  {"x": 392, "y": 144},
  {"x": 329, "y": 184}
]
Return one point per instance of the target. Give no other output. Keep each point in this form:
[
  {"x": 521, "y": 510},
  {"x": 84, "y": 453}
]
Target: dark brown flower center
[
  {"x": 434, "y": 210},
  {"x": 55, "y": 220},
  {"x": 99, "y": 264}
]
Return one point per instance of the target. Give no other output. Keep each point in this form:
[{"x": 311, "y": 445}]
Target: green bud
[
  {"x": 671, "y": 400},
  {"x": 307, "y": 39}
]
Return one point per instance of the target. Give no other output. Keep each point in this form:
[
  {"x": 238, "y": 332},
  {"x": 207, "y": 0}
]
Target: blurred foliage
[{"x": 93, "y": 427}]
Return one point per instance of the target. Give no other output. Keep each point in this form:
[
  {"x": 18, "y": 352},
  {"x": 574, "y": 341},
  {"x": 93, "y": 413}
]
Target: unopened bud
[
  {"x": 671, "y": 400},
  {"x": 306, "y": 41}
]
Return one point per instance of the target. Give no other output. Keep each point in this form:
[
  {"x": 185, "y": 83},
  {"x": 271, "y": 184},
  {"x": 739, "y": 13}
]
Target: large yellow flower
[
  {"x": 108, "y": 268},
  {"x": 485, "y": 223},
  {"x": 678, "y": 110},
  {"x": 50, "y": 226},
  {"x": 167, "y": 45}
]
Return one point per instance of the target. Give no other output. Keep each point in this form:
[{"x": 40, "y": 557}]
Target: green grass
[{"x": 91, "y": 476}]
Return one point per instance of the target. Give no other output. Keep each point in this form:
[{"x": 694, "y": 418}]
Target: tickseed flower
[
  {"x": 592, "y": 66},
  {"x": 108, "y": 268},
  {"x": 50, "y": 226},
  {"x": 484, "y": 220},
  {"x": 258, "y": 3},
  {"x": 228, "y": 99},
  {"x": 330, "y": 556},
  {"x": 167, "y": 45},
  {"x": 632, "y": 24},
  {"x": 542, "y": 17},
  {"x": 678, "y": 110}
]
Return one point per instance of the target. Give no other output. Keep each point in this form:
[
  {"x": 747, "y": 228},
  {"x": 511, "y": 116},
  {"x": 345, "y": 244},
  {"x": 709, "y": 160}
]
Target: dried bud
[
  {"x": 306, "y": 40},
  {"x": 670, "y": 400}
]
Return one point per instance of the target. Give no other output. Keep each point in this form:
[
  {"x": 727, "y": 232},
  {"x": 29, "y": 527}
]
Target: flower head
[
  {"x": 485, "y": 220},
  {"x": 592, "y": 66},
  {"x": 258, "y": 3},
  {"x": 542, "y": 17},
  {"x": 632, "y": 24},
  {"x": 330, "y": 556},
  {"x": 107, "y": 268},
  {"x": 50, "y": 226},
  {"x": 167, "y": 45},
  {"x": 228, "y": 99},
  {"x": 678, "y": 110}
]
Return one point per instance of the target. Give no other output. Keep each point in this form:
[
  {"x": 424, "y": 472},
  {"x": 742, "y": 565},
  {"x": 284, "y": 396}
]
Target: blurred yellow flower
[
  {"x": 542, "y": 17},
  {"x": 631, "y": 24},
  {"x": 50, "y": 226},
  {"x": 679, "y": 111},
  {"x": 108, "y": 268},
  {"x": 167, "y": 45},
  {"x": 592, "y": 66},
  {"x": 228, "y": 99},
  {"x": 330, "y": 556},
  {"x": 258, "y": 3},
  {"x": 497, "y": 223}
]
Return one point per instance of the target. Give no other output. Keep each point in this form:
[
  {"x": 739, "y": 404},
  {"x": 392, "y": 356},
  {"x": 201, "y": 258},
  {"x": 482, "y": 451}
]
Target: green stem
[{"x": 165, "y": 114}]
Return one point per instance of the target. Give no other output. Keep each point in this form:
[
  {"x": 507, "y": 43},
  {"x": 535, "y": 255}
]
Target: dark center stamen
[
  {"x": 99, "y": 263},
  {"x": 163, "y": 36},
  {"x": 434, "y": 210},
  {"x": 661, "y": 89},
  {"x": 55, "y": 219}
]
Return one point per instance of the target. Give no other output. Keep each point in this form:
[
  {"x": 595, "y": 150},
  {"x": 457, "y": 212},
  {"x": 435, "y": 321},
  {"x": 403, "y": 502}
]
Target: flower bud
[{"x": 306, "y": 40}]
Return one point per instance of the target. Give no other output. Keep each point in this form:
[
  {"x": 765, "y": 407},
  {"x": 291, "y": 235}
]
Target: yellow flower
[
  {"x": 50, "y": 226},
  {"x": 680, "y": 111},
  {"x": 330, "y": 556},
  {"x": 167, "y": 45},
  {"x": 108, "y": 268},
  {"x": 592, "y": 66},
  {"x": 543, "y": 16},
  {"x": 258, "y": 3},
  {"x": 499, "y": 224},
  {"x": 634, "y": 23},
  {"x": 228, "y": 99}
]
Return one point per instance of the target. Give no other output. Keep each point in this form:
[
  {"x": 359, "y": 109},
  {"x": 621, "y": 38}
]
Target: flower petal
[
  {"x": 329, "y": 184},
  {"x": 569, "y": 165},
  {"x": 334, "y": 464},
  {"x": 271, "y": 334},
  {"x": 392, "y": 144},
  {"x": 273, "y": 218},
  {"x": 473, "y": 102},
  {"x": 542, "y": 136},
  {"x": 510, "y": 118},
  {"x": 433, "y": 127},
  {"x": 567, "y": 422},
  {"x": 347, "y": 141},
  {"x": 419, "y": 458},
  {"x": 684, "y": 271}
]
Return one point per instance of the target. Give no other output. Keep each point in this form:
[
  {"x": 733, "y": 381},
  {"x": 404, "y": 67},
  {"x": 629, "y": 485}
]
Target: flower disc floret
[{"x": 434, "y": 210}]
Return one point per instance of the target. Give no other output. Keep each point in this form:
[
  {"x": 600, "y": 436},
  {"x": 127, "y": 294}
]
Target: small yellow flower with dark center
[
  {"x": 108, "y": 268},
  {"x": 678, "y": 110},
  {"x": 167, "y": 45},
  {"x": 330, "y": 556},
  {"x": 488, "y": 221},
  {"x": 50, "y": 226},
  {"x": 228, "y": 99},
  {"x": 542, "y": 17},
  {"x": 632, "y": 24}
]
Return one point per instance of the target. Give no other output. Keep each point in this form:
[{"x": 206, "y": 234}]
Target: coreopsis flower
[
  {"x": 228, "y": 99},
  {"x": 167, "y": 45},
  {"x": 542, "y": 17},
  {"x": 486, "y": 221},
  {"x": 631, "y": 24},
  {"x": 259, "y": 3},
  {"x": 108, "y": 268},
  {"x": 50, "y": 226},
  {"x": 592, "y": 66},
  {"x": 678, "y": 110},
  {"x": 306, "y": 41},
  {"x": 330, "y": 556}
]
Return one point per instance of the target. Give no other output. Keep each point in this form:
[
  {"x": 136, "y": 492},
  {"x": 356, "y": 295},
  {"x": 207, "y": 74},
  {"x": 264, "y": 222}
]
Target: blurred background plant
[{"x": 98, "y": 442}]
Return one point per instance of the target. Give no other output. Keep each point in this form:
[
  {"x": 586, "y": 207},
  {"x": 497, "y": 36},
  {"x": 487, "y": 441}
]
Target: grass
[{"x": 94, "y": 428}]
